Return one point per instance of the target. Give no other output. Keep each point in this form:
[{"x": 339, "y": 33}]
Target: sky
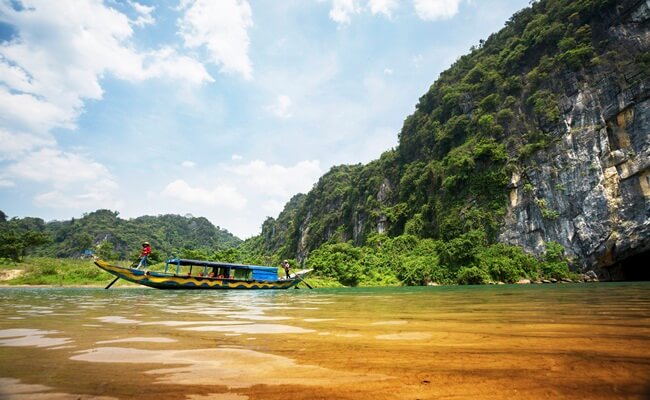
[{"x": 217, "y": 108}]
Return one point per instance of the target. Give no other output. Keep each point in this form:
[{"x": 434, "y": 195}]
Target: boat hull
[{"x": 159, "y": 280}]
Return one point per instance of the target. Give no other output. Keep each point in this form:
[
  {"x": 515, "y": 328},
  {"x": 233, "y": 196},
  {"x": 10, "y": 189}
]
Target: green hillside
[{"x": 104, "y": 232}]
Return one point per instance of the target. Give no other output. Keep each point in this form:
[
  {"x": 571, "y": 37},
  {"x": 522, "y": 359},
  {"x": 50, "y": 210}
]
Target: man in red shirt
[{"x": 146, "y": 250}]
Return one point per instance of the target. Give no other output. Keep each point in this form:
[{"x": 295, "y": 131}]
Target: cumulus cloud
[
  {"x": 278, "y": 180},
  {"x": 144, "y": 14},
  {"x": 342, "y": 10},
  {"x": 385, "y": 7},
  {"x": 281, "y": 108},
  {"x": 58, "y": 168},
  {"x": 53, "y": 64},
  {"x": 62, "y": 50},
  {"x": 221, "y": 28},
  {"x": 16, "y": 144},
  {"x": 432, "y": 10},
  {"x": 76, "y": 180},
  {"x": 218, "y": 196}
]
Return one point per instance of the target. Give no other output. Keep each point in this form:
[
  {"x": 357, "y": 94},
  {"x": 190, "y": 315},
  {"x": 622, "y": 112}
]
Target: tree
[{"x": 14, "y": 243}]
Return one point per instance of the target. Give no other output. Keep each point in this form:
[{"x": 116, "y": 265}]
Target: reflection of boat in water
[{"x": 179, "y": 274}]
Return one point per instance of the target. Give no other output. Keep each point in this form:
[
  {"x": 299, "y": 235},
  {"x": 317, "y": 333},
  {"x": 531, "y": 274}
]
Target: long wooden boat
[{"x": 197, "y": 274}]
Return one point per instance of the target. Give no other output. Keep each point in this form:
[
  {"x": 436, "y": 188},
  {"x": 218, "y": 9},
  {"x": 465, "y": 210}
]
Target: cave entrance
[{"x": 634, "y": 268}]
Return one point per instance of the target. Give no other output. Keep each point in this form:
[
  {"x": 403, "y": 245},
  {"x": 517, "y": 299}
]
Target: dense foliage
[
  {"x": 466, "y": 259},
  {"x": 17, "y": 237},
  {"x": 105, "y": 234}
]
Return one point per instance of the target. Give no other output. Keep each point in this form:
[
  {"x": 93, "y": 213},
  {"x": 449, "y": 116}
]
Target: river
[{"x": 564, "y": 341}]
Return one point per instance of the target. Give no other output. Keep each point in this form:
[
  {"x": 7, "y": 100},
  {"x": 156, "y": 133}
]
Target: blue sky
[{"x": 216, "y": 108}]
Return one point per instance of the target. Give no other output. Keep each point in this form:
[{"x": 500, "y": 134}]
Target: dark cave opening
[{"x": 633, "y": 268}]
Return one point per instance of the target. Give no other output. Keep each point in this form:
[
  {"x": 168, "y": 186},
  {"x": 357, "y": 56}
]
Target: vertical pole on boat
[{"x": 111, "y": 284}]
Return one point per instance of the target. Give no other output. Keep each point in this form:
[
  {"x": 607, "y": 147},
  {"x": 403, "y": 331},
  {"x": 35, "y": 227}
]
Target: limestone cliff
[{"x": 590, "y": 191}]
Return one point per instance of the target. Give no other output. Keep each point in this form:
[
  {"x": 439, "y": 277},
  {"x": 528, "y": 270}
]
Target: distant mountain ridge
[{"x": 168, "y": 234}]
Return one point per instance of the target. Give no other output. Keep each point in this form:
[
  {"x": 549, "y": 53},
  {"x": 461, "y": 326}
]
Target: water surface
[{"x": 492, "y": 342}]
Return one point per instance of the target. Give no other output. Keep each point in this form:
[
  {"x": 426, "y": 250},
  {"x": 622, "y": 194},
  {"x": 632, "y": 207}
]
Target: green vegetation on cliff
[{"x": 406, "y": 259}]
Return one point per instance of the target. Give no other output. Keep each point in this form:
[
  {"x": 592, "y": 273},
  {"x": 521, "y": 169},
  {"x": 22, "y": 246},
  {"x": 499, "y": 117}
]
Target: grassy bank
[{"x": 55, "y": 272}]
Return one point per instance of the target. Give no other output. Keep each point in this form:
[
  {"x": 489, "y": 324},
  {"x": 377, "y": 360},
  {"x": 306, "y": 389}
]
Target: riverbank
[{"x": 65, "y": 272}]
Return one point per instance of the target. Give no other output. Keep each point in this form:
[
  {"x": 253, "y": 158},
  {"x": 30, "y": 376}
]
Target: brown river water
[{"x": 569, "y": 341}]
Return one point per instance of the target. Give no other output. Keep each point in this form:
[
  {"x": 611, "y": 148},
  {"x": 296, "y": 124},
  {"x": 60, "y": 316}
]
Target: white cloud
[
  {"x": 62, "y": 50},
  {"x": 144, "y": 14},
  {"x": 6, "y": 183},
  {"x": 388, "y": 71},
  {"x": 218, "y": 196},
  {"x": 14, "y": 145},
  {"x": 94, "y": 196},
  {"x": 342, "y": 10},
  {"x": 58, "y": 168},
  {"x": 385, "y": 7},
  {"x": 281, "y": 107},
  {"x": 432, "y": 10},
  {"x": 278, "y": 180},
  {"x": 188, "y": 164},
  {"x": 236, "y": 157},
  {"x": 167, "y": 63},
  {"x": 23, "y": 112},
  {"x": 273, "y": 207},
  {"x": 75, "y": 180},
  {"x": 221, "y": 27}
]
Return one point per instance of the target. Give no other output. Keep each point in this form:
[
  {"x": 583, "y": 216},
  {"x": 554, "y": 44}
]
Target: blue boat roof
[{"x": 218, "y": 264}]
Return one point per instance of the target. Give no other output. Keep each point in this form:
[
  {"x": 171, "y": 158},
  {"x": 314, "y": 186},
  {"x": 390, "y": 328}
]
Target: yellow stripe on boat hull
[{"x": 171, "y": 281}]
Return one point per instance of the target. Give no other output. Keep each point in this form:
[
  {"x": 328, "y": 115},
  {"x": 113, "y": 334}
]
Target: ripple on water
[
  {"x": 396, "y": 322},
  {"x": 405, "y": 336},
  {"x": 139, "y": 340},
  {"x": 234, "y": 368},
  {"x": 21, "y": 337},
  {"x": 186, "y": 323},
  {"x": 250, "y": 328},
  {"x": 115, "y": 319},
  {"x": 217, "y": 396},
  {"x": 15, "y": 390},
  {"x": 258, "y": 317}
]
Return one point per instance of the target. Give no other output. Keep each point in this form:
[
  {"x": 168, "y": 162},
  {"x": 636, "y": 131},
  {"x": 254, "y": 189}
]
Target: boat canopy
[
  {"x": 228, "y": 270},
  {"x": 217, "y": 264}
]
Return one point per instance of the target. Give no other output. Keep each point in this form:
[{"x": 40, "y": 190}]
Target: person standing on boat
[
  {"x": 146, "y": 250},
  {"x": 286, "y": 266}
]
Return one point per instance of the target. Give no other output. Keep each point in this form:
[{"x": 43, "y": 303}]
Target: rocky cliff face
[{"x": 590, "y": 191}]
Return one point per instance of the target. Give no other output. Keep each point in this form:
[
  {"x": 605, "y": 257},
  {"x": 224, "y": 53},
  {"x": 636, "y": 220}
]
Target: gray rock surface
[{"x": 590, "y": 191}]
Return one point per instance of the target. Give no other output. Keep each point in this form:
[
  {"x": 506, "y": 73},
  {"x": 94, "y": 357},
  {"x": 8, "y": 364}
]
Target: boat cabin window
[
  {"x": 220, "y": 272},
  {"x": 243, "y": 274}
]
